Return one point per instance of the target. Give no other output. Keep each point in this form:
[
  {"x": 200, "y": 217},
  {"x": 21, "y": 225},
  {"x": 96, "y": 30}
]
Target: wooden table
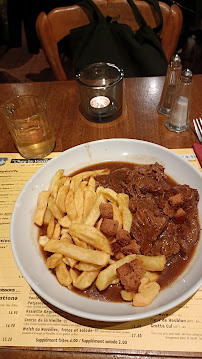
[{"x": 139, "y": 120}]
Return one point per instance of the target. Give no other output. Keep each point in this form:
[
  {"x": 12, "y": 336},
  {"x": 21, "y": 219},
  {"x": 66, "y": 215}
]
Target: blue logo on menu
[{"x": 3, "y": 160}]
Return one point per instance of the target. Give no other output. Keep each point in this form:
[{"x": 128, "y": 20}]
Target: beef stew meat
[{"x": 165, "y": 215}]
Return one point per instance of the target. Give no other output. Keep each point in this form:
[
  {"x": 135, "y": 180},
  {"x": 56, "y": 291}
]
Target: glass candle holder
[{"x": 101, "y": 92}]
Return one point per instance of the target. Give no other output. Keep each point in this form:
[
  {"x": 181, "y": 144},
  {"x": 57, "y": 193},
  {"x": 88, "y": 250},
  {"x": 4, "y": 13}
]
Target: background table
[{"x": 139, "y": 120}]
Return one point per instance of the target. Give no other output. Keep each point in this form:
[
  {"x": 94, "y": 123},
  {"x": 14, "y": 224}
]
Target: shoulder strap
[
  {"x": 138, "y": 16},
  {"x": 97, "y": 15},
  {"x": 156, "y": 6},
  {"x": 92, "y": 8}
]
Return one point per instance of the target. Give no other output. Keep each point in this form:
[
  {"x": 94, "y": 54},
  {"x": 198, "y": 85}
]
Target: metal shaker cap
[
  {"x": 176, "y": 59},
  {"x": 187, "y": 74}
]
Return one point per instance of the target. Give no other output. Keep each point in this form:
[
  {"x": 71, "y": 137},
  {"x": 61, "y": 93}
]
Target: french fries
[
  {"x": 94, "y": 213},
  {"x": 153, "y": 264},
  {"x": 41, "y": 207},
  {"x": 80, "y": 253},
  {"x": 85, "y": 279},
  {"x": 106, "y": 276},
  {"x": 148, "y": 293},
  {"x": 90, "y": 235}
]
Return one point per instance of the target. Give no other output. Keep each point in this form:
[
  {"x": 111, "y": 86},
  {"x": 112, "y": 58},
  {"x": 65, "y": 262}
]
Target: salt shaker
[
  {"x": 178, "y": 120},
  {"x": 172, "y": 78}
]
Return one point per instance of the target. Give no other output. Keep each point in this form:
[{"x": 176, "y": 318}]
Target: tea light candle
[{"x": 99, "y": 102}]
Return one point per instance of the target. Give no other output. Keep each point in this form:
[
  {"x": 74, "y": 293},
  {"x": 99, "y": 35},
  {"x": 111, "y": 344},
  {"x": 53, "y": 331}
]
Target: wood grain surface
[{"x": 139, "y": 120}]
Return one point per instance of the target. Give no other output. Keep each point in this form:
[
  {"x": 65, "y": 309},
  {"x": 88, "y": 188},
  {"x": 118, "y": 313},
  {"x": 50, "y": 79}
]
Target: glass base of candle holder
[
  {"x": 102, "y": 115},
  {"x": 174, "y": 128},
  {"x": 163, "y": 111},
  {"x": 102, "y": 119}
]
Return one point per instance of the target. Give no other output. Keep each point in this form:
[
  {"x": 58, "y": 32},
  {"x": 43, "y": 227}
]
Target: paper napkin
[{"x": 198, "y": 151}]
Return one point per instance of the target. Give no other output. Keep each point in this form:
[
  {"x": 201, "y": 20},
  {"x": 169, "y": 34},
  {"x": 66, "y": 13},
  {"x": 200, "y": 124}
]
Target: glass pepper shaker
[
  {"x": 172, "y": 78},
  {"x": 178, "y": 120}
]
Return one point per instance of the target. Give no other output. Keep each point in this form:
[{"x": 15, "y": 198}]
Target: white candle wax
[
  {"x": 179, "y": 115},
  {"x": 99, "y": 102}
]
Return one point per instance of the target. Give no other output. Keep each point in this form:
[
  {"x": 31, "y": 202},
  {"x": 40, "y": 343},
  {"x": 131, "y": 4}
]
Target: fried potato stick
[
  {"x": 54, "y": 209},
  {"x": 57, "y": 186},
  {"x": 106, "y": 276},
  {"x": 94, "y": 213},
  {"x": 76, "y": 180},
  {"x": 153, "y": 263},
  {"x": 51, "y": 227},
  {"x": 60, "y": 199},
  {"x": 47, "y": 216},
  {"x": 81, "y": 254},
  {"x": 127, "y": 296},
  {"x": 90, "y": 235},
  {"x": 42, "y": 202},
  {"x": 85, "y": 279},
  {"x": 117, "y": 215},
  {"x": 108, "y": 193},
  {"x": 147, "y": 295},
  {"x": 54, "y": 260},
  {"x": 63, "y": 274},
  {"x": 56, "y": 178},
  {"x": 65, "y": 221},
  {"x": 89, "y": 199},
  {"x": 70, "y": 205},
  {"x": 123, "y": 199},
  {"x": 127, "y": 218},
  {"x": 43, "y": 240},
  {"x": 79, "y": 203},
  {"x": 56, "y": 232},
  {"x": 86, "y": 267}
]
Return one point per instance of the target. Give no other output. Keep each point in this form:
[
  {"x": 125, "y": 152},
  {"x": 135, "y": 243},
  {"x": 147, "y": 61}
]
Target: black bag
[{"x": 105, "y": 40}]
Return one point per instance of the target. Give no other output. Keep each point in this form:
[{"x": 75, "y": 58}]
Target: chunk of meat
[
  {"x": 131, "y": 248},
  {"x": 167, "y": 243},
  {"x": 122, "y": 239},
  {"x": 130, "y": 275},
  {"x": 150, "y": 184},
  {"x": 176, "y": 200},
  {"x": 179, "y": 216},
  {"x": 179, "y": 196},
  {"x": 116, "y": 247},
  {"x": 169, "y": 210},
  {"x": 145, "y": 178},
  {"x": 106, "y": 210},
  {"x": 133, "y": 203},
  {"x": 109, "y": 227},
  {"x": 146, "y": 226},
  {"x": 188, "y": 235}
]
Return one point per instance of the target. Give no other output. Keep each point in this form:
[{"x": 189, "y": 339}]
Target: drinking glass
[{"x": 27, "y": 121}]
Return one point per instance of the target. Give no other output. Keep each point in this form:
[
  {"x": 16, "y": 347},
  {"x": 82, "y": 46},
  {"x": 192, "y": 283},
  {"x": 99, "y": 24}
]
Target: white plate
[{"x": 24, "y": 234}]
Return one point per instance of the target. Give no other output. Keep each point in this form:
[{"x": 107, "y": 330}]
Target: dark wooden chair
[{"x": 54, "y": 26}]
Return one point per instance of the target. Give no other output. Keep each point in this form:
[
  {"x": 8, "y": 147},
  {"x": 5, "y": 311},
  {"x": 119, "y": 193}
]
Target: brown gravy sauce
[{"x": 173, "y": 268}]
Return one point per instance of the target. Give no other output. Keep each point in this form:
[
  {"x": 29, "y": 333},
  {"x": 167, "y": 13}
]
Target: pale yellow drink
[{"x": 29, "y": 126}]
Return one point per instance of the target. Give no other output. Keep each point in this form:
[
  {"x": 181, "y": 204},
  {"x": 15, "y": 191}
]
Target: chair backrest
[{"x": 54, "y": 26}]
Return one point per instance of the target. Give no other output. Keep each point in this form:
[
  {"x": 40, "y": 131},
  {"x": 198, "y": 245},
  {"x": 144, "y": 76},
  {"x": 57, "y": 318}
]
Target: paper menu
[{"x": 26, "y": 320}]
